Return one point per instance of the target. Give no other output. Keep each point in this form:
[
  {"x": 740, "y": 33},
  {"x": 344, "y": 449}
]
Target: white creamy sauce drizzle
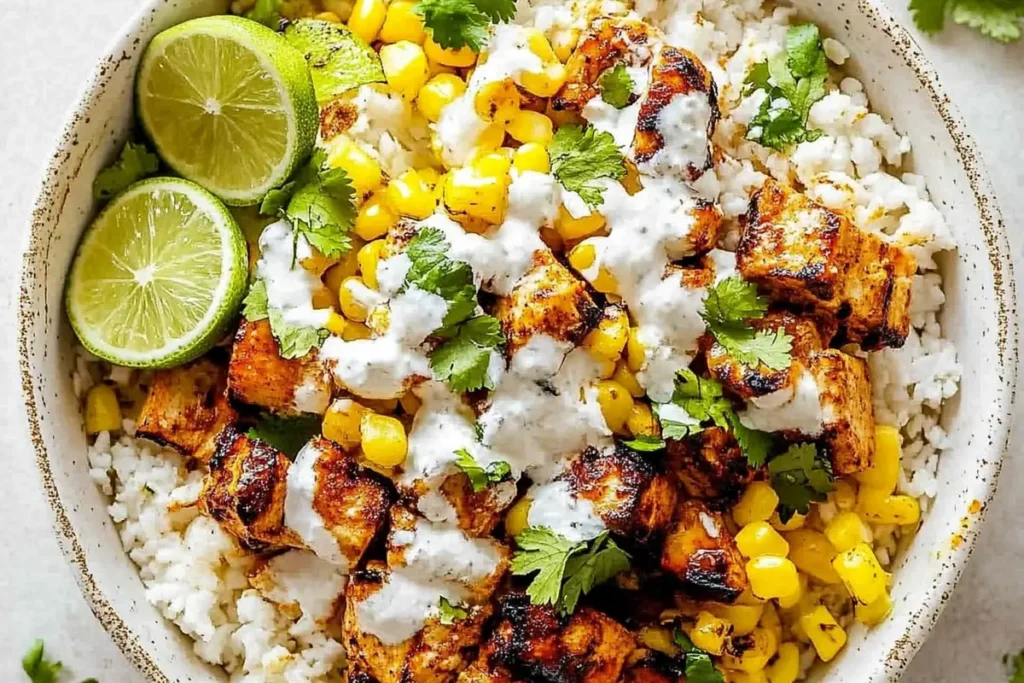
[
  {"x": 313, "y": 395},
  {"x": 299, "y": 514},
  {"x": 683, "y": 125},
  {"x": 300, "y": 577},
  {"x": 556, "y": 507},
  {"x": 796, "y": 407},
  {"x": 290, "y": 287},
  {"x": 620, "y": 123}
]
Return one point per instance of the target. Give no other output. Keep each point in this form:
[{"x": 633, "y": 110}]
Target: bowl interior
[{"x": 978, "y": 318}]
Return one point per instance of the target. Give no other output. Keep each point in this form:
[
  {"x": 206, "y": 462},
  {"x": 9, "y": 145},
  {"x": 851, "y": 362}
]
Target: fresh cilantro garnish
[
  {"x": 338, "y": 59},
  {"x": 645, "y": 444},
  {"x": 463, "y": 360},
  {"x": 698, "y": 665},
  {"x": 997, "y": 19},
  {"x": 286, "y": 434},
  {"x": 454, "y": 24},
  {"x": 432, "y": 271},
  {"x": 39, "y": 669},
  {"x": 479, "y": 476},
  {"x": 580, "y": 157},
  {"x": 135, "y": 163},
  {"x": 794, "y": 80},
  {"x": 266, "y": 12},
  {"x": 294, "y": 341},
  {"x": 617, "y": 87},
  {"x": 450, "y": 613},
  {"x": 729, "y": 307},
  {"x": 800, "y": 476},
  {"x": 756, "y": 445},
  {"x": 564, "y": 570}
]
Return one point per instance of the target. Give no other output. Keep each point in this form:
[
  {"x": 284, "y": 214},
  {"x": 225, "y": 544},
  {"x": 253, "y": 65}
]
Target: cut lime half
[
  {"x": 158, "y": 276},
  {"x": 229, "y": 104}
]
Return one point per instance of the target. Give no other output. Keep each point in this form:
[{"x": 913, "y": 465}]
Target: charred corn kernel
[
  {"x": 498, "y": 101},
  {"x": 877, "y": 506},
  {"x": 335, "y": 324},
  {"x": 349, "y": 302},
  {"x": 793, "y": 599},
  {"x": 844, "y": 495},
  {"x": 516, "y": 519},
  {"x": 796, "y": 521},
  {"x": 467, "y": 193},
  {"x": 577, "y": 228},
  {"x": 812, "y": 552},
  {"x": 375, "y": 217},
  {"x": 405, "y": 67},
  {"x": 383, "y": 438},
  {"x": 772, "y": 576},
  {"x": 531, "y": 157},
  {"x": 635, "y": 354},
  {"x": 624, "y": 376},
  {"x": 884, "y": 471},
  {"x": 563, "y": 42},
  {"x": 786, "y": 666},
  {"x": 544, "y": 83},
  {"x": 875, "y": 613},
  {"x": 492, "y": 164},
  {"x": 641, "y": 421},
  {"x": 757, "y": 504},
  {"x": 462, "y": 57},
  {"x": 369, "y": 257},
  {"x": 615, "y": 402},
  {"x": 102, "y": 410},
  {"x": 402, "y": 22},
  {"x": 846, "y": 530},
  {"x": 438, "y": 93},
  {"x": 530, "y": 126},
  {"x": 660, "y": 639},
  {"x": 759, "y": 538},
  {"x": 861, "y": 574},
  {"x": 744, "y": 618},
  {"x": 361, "y": 168},
  {"x": 709, "y": 632},
  {"x": 752, "y": 652},
  {"x": 341, "y": 422},
  {"x": 409, "y": 195},
  {"x": 827, "y": 636},
  {"x": 355, "y": 331},
  {"x": 609, "y": 337},
  {"x": 366, "y": 19},
  {"x": 328, "y": 16},
  {"x": 384, "y": 406},
  {"x": 539, "y": 45}
]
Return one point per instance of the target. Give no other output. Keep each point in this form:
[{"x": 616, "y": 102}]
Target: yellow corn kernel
[
  {"x": 636, "y": 356},
  {"x": 754, "y": 651},
  {"x": 796, "y": 521},
  {"x": 405, "y": 67},
  {"x": 402, "y": 22},
  {"x": 102, "y": 410},
  {"x": 531, "y": 157},
  {"x": 498, "y": 101},
  {"x": 361, "y": 168},
  {"x": 384, "y": 440},
  {"x": 876, "y": 612},
  {"x": 467, "y": 193},
  {"x": 772, "y": 576},
  {"x": 757, "y": 504},
  {"x": 605, "y": 367},
  {"x": 530, "y": 126},
  {"x": 759, "y": 538},
  {"x": 732, "y": 676},
  {"x": 375, "y": 218},
  {"x": 563, "y": 42},
  {"x": 328, "y": 16},
  {"x": 341, "y": 422},
  {"x": 492, "y": 137},
  {"x": 492, "y": 164},
  {"x": 884, "y": 471},
  {"x": 366, "y": 19},
  {"x": 812, "y": 553},
  {"x": 577, "y": 228},
  {"x": 349, "y": 302},
  {"x": 877, "y": 506},
  {"x": 545, "y": 83},
  {"x": 845, "y": 494},
  {"x": 323, "y": 298},
  {"x": 660, "y": 639},
  {"x": 438, "y": 93},
  {"x": 582, "y": 258},
  {"x": 793, "y": 599},
  {"x": 369, "y": 257},
  {"x": 624, "y": 376},
  {"x": 539, "y": 45},
  {"x": 409, "y": 195},
  {"x": 335, "y": 324},
  {"x": 346, "y": 267},
  {"x": 786, "y": 666},
  {"x": 861, "y": 574},
  {"x": 462, "y": 57},
  {"x": 744, "y": 618},
  {"x": 615, "y": 402},
  {"x": 827, "y": 636},
  {"x": 641, "y": 421},
  {"x": 710, "y": 632},
  {"x": 847, "y": 530},
  {"x": 384, "y": 406},
  {"x": 355, "y": 331},
  {"x": 770, "y": 621},
  {"x": 609, "y": 337},
  {"x": 516, "y": 520},
  {"x": 340, "y": 8}
]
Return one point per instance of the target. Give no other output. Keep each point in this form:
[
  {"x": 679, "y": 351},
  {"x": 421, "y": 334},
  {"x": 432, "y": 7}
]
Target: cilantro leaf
[
  {"x": 600, "y": 563},
  {"x": 294, "y": 341},
  {"x": 286, "y": 434},
  {"x": 255, "y": 304},
  {"x": 677, "y": 430},
  {"x": 450, "y": 613},
  {"x": 728, "y": 306},
  {"x": 480, "y": 477},
  {"x": 133, "y": 164},
  {"x": 999, "y": 20},
  {"x": 497, "y": 11},
  {"x": 463, "y": 360},
  {"x": 698, "y": 666},
  {"x": 454, "y": 24},
  {"x": 617, "y": 87},
  {"x": 582, "y": 157},
  {"x": 756, "y": 445},
  {"x": 1015, "y": 664},
  {"x": 266, "y": 12},
  {"x": 37, "y": 667},
  {"x": 929, "y": 15},
  {"x": 645, "y": 444},
  {"x": 338, "y": 59},
  {"x": 432, "y": 271},
  {"x": 800, "y": 476}
]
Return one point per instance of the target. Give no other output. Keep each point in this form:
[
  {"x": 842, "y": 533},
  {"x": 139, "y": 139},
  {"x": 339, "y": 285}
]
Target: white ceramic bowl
[{"x": 979, "y": 317}]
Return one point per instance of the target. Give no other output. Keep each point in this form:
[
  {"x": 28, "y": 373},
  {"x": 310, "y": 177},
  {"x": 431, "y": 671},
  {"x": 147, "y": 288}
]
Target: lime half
[
  {"x": 158, "y": 276},
  {"x": 228, "y": 104}
]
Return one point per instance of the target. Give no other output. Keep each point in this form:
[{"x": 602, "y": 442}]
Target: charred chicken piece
[
  {"x": 710, "y": 465},
  {"x": 701, "y": 552}
]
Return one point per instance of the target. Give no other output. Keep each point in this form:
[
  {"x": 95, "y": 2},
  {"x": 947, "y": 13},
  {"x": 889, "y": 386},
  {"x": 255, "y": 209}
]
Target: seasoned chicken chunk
[
  {"x": 187, "y": 408},
  {"x": 845, "y": 395},
  {"x": 710, "y": 465},
  {"x": 655, "y": 668},
  {"x": 478, "y": 513},
  {"x": 804, "y": 253},
  {"x": 701, "y": 552},
  {"x": 258, "y": 376}
]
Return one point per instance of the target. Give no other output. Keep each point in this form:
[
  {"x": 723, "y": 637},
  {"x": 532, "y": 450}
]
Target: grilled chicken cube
[
  {"x": 300, "y": 583},
  {"x": 655, "y": 667},
  {"x": 710, "y": 465},
  {"x": 804, "y": 253},
  {"x": 259, "y": 376},
  {"x": 477, "y": 513},
  {"x": 629, "y": 493},
  {"x": 845, "y": 395},
  {"x": 548, "y": 301},
  {"x": 701, "y": 552},
  {"x": 187, "y": 408}
]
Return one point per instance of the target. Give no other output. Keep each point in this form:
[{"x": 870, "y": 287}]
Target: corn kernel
[
  {"x": 582, "y": 258},
  {"x": 539, "y": 45},
  {"x": 492, "y": 137},
  {"x": 563, "y": 42},
  {"x": 530, "y": 126},
  {"x": 659, "y": 639},
  {"x": 102, "y": 410},
  {"x": 753, "y": 651},
  {"x": 605, "y": 367},
  {"x": 335, "y": 324},
  {"x": 796, "y": 521},
  {"x": 531, "y": 157},
  {"x": 710, "y": 632},
  {"x": 492, "y": 164},
  {"x": 328, "y": 16},
  {"x": 405, "y": 67},
  {"x": 744, "y": 618},
  {"x": 615, "y": 402},
  {"x": 847, "y": 530},
  {"x": 876, "y": 612},
  {"x": 349, "y": 299},
  {"x": 577, "y": 228},
  {"x": 786, "y": 666},
  {"x": 345, "y": 268},
  {"x": 438, "y": 93},
  {"x": 384, "y": 406},
  {"x": 877, "y": 506},
  {"x": 884, "y": 471},
  {"x": 545, "y": 83},
  {"x": 467, "y": 193},
  {"x": 461, "y": 58},
  {"x": 641, "y": 421},
  {"x": 759, "y": 538},
  {"x": 770, "y": 621},
  {"x": 624, "y": 376},
  {"x": 323, "y": 298},
  {"x": 516, "y": 520},
  {"x": 409, "y": 195},
  {"x": 341, "y": 422},
  {"x": 369, "y": 257},
  {"x": 410, "y": 403},
  {"x": 793, "y": 599},
  {"x": 497, "y": 101},
  {"x": 757, "y": 504},
  {"x": 772, "y": 576},
  {"x": 384, "y": 440},
  {"x": 362, "y": 169},
  {"x": 825, "y": 634},
  {"x": 609, "y": 337},
  {"x": 366, "y": 19},
  {"x": 636, "y": 356},
  {"x": 861, "y": 574},
  {"x": 355, "y": 331},
  {"x": 812, "y": 553},
  {"x": 844, "y": 495},
  {"x": 402, "y": 22},
  {"x": 375, "y": 218}
]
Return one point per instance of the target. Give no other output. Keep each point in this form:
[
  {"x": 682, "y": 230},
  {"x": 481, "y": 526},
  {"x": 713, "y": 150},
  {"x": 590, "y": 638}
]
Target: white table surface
[{"x": 46, "y": 50}]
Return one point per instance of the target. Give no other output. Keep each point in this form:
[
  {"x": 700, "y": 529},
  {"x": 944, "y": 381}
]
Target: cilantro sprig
[
  {"x": 617, "y": 87},
  {"x": 41, "y": 670},
  {"x": 800, "y": 476},
  {"x": 454, "y": 24},
  {"x": 294, "y": 341},
  {"x": 997, "y": 19},
  {"x": 133, "y": 164},
  {"x": 644, "y": 444},
  {"x": 286, "y": 434},
  {"x": 582, "y": 157},
  {"x": 565, "y": 571},
  {"x": 448, "y": 613},
  {"x": 481, "y": 477},
  {"x": 699, "y": 668},
  {"x": 794, "y": 80},
  {"x": 729, "y": 306}
]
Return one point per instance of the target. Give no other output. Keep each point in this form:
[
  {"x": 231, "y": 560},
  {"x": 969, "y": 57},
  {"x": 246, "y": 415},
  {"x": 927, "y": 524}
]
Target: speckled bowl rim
[{"x": 990, "y": 219}]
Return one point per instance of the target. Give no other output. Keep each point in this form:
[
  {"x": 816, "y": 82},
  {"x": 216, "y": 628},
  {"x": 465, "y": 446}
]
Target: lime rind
[{"x": 93, "y": 292}]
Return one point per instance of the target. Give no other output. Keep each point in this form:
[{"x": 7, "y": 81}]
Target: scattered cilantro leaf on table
[
  {"x": 997, "y": 19},
  {"x": 266, "y": 12},
  {"x": 338, "y": 59},
  {"x": 581, "y": 157},
  {"x": 454, "y": 24},
  {"x": 617, "y": 87},
  {"x": 450, "y": 613},
  {"x": 286, "y": 434},
  {"x": 294, "y": 341},
  {"x": 479, "y": 476},
  {"x": 133, "y": 164},
  {"x": 39, "y": 669},
  {"x": 800, "y": 476},
  {"x": 729, "y": 307},
  {"x": 1015, "y": 667},
  {"x": 699, "y": 668}
]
